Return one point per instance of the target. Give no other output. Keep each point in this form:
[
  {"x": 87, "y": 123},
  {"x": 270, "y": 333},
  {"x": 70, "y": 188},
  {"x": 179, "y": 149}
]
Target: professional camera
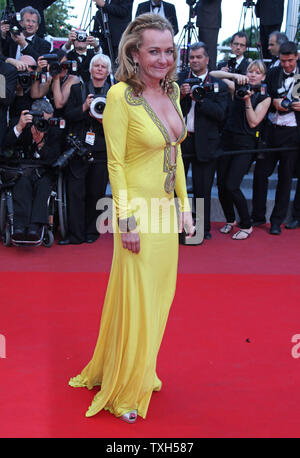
[
  {"x": 42, "y": 124},
  {"x": 55, "y": 67},
  {"x": 97, "y": 107},
  {"x": 287, "y": 103},
  {"x": 231, "y": 64},
  {"x": 81, "y": 35},
  {"x": 26, "y": 78},
  {"x": 76, "y": 148},
  {"x": 200, "y": 89},
  {"x": 13, "y": 19},
  {"x": 241, "y": 90}
]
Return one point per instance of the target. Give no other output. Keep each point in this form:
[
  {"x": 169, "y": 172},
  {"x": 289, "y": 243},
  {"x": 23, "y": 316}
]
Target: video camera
[
  {"x": 42, "y": 124},
  {"x": 241, "y": 90},
  {"x": 13, "y": 19},
  {"x": 26, "y": 78},
  {"x": 55, "y": 67},
  {"x": 76, "y": 148},
  {"x": 200, "y": 89},
  {"x": 97, "y": 107}
]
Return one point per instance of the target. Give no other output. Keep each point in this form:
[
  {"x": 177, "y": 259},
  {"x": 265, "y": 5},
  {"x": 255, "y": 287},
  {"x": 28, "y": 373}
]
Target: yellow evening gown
[{"x": 141, "y": 286}]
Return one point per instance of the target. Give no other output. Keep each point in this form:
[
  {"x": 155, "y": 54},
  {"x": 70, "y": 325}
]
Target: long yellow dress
[{"x": 141, "y": 286}]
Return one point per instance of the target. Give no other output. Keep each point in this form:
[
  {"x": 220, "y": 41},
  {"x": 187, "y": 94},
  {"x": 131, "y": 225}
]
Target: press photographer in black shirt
[
  {"x": 241, "y": 132},
  {"x": 34, "y": 145},
  {"x": 87, "y": 176}
]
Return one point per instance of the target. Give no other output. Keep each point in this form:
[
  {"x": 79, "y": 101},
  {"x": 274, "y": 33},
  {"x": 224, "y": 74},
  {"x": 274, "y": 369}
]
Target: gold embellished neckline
[{"x": 169, "y": 166}]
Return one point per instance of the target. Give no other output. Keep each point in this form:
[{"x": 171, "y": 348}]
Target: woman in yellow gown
[{"x": 143, "y": 128}]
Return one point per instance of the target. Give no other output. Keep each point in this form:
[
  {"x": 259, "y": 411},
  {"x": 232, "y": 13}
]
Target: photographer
[
  {"x": 241, "y": 132},
  {"x": 27, "y": 72},
  {"x": 282, "y": 132},
  {"x": 204, "y": 118},
  {"x": 239, "y": 63},
  {"x": 87, "y": 179},
  {"x": 41, "y": 6},
  {"x": 8, "y": 85},
  {"x": 81, "y": 52},
  {"x": 118, "y": 14},
  {"x": 56, "y": 69},
  {"x": 26, "y": 41},
  {"x": 34, "y": 145}
]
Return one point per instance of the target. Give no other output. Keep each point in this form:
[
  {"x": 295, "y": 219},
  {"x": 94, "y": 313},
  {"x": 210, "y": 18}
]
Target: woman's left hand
[{"x": 186, "y": 224}]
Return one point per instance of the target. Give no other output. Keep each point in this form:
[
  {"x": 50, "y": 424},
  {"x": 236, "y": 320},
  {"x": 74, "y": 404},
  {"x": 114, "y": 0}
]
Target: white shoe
[
  {"x": 227, "y": 228},
  {"x": 130, "y": 417}
]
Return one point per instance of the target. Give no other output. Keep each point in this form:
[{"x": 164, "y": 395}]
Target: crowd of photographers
[{"x": 51, "y": 111}]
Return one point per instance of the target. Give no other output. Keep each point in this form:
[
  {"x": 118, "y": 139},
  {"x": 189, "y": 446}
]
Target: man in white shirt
[{"x": 283, "y": 131}]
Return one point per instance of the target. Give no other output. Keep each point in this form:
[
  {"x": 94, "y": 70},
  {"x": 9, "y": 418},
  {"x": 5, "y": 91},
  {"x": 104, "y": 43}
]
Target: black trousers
[
  {"x": 277, "y": 137},
  {"x": 202, "y": 176},
  {"x": 86, "y": 184},
  {"x": 210, "y": 38},
  {"x": 231, "y": 170},
  {"x": 30, "y": 199}
]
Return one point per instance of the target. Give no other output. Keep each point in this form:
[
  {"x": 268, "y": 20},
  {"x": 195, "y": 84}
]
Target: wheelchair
[{"x": 57, "y": 209}]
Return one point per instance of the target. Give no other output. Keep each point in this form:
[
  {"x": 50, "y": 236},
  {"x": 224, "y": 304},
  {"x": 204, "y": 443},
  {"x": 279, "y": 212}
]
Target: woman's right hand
[{"x": 131, "y": 241}]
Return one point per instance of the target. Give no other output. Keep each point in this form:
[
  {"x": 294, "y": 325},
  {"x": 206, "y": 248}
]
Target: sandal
[
  {"x": 227, "y": 228},
  {"x": 242, "y": 234},
  {"x": 130, "y": 417}
]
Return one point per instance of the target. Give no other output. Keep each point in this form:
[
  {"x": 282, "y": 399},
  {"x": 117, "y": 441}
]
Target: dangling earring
[
  {"x": 135, "y": 67},
  {"x": 165, "y": 84}
]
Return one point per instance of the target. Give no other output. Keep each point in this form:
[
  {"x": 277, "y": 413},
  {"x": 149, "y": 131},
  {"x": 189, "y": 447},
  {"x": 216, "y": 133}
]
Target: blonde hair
[
  {"x": 259, "y": 64},
  {"x": 131, "y": 41}
]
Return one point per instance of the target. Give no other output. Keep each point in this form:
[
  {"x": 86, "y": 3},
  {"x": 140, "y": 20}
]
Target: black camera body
[
  {"x": 55, "y": 67},
  {"x": 200, "y": 89},
  {"x": 76, "y": 148},
  {"x": 287, "y": 103},
  {"x": 81, "y": 35},
  {"x": 13, "y": 20},
  {"x": 231, "y": 64},
  {"x": 26, "y": 79},
  {"x": 42, "y": 124},
  {"x": 241, "y": 90}
]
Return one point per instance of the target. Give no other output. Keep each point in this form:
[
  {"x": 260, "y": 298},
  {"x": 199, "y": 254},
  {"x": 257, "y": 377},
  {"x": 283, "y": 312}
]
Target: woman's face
[
  {"x": 255, "y": 76},
  {"x": 99, "y": 71},
  {"x": 155, "y": 55}
]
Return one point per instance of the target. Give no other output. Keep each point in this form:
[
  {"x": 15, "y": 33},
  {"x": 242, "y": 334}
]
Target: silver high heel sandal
[{"x": 129, "y": 417}]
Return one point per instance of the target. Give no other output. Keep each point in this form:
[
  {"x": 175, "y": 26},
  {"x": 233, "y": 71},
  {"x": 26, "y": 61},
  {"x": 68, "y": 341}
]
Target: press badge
[{"x": 90, "y": 138}]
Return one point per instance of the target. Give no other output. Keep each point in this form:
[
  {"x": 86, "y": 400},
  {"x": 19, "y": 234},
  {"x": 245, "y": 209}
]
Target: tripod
[
  {"x": 103, "y": 28},
  {"x": 184, "y": 42},
  {"x": 249, "y": 5}
]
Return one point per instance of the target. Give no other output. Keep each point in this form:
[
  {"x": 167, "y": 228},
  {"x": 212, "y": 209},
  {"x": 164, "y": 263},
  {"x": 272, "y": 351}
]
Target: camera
[
  {"x": 200, "y": 89},
  {"x": 42, "y": 124},
  {"x": 287, "y": 103},
  {"x": 231, "y": 64},
  {"x": 81, "y": 35},
  {"x": 13, "y": 19},
  {"x": 55, "y": 67},
  {"x": 241, "y": 90},
  {"x": 75, "y": 149},
  {"x": 97, "y": 107},
  {"x": 25, "y": 78}
]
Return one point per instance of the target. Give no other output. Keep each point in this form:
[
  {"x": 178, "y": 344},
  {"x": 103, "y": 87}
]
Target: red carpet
[{"x": 226, "y": 361}]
